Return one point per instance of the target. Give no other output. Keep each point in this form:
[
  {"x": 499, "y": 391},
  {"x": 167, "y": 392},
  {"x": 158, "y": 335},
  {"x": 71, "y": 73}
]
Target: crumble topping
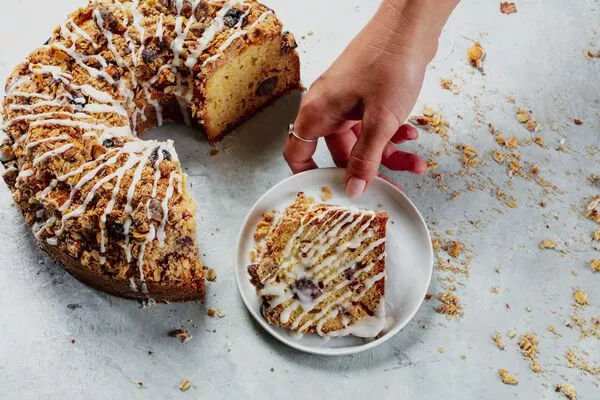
[{"x": 508, "y": 378}]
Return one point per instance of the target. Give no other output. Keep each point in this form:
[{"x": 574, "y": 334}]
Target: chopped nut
[
  {"x": 507, "y": 378},
  {"x": 539, "y": 141},
  {"x": 508, "y": 8},
  {"x": 512, "y": 334},
  {"x": 450, "y": 304},
  {"x": 326, "y": 193},
  {"x": 528, "y": 345},
  {"x": 512, "y": 142},
  {"x": 185, "y": 385},
  {"x": 581, "y": 297},
  {"x": 476, "y": 54},
  {"x": 523, "y": 115},
  {"x": 211, "y": 275},
  {"x": 211, "y": 312},
  {"x": 498, "y": 157}
]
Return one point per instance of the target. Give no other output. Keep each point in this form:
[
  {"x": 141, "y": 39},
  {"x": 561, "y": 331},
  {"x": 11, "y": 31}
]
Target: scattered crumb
[
  {"x": 590, "y": 55},
  {"x": 595, "y": 265},
  {"x": 220, "y": 313},
  {"x": 433, "y": 120},
  {"x": 552, "y": 329},
  {"x": 524, "y": 117},
  {"x": 428, "y": 296},
  {"x": 539, "y": 141},
  {"x": 528, "y": 345},
  {"x": 593, "y": 209},
  {"x": 454, "y": 248},
  {"x": 476, "y": 54},
  {"x": 507, "y": 378},
  {"x": 547, "y": 244},
  {"x": 494, "y": 290},
  {"x": 498, "y": 157},
  {"x": 180, "y": 334},
  {"x": 577, "y": 121},
  {"x": 326, "y": 193},
  {"x": 272, "y": 369},
  {"x": 253, "y": 255},
  {"x": 508, "y": 8},
  {"x": 211, "y": 275},
  {"x": 185, "y": 385},
  {"x": 462, "y": 357},
  {"x": 448, "y": 84},
  {"x": 567, "y": 390},
  {"x": 450, "y": 304},
  {"x": 140, "y": 384},
  {"x": 469, "y": 155},
  {"x": 264, "y": 225},
  {"x": 214, "y": 151},
  {"x": 581, "y": 297},
  {"x": 211, "y": 312},
  {"x": 442, "y": 350},
  {"x": 431, "y": 165},
  {"x": 72, "y": 341},
  {"x": 497, "y": 338},
  {"x": 512, "y": 334}
]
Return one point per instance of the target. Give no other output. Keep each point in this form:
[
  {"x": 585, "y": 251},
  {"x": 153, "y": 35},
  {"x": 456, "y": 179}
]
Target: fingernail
[{"x": 355, "y": 187}]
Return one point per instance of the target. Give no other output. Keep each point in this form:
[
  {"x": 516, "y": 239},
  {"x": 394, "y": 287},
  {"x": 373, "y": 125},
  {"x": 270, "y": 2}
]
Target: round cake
[{"x": 109, "y": 206}]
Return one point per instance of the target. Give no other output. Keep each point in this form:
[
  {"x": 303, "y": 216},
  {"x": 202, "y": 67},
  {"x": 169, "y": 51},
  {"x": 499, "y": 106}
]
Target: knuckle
[{"x": 362, "y": 164}]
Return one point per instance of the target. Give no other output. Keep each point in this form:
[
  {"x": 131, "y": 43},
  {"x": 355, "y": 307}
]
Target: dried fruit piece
[
  {"x": 267, "y": 86},
  {"x": 115, "y": 230},
  {"x": 476, "y": 54},
  {"x": 508, "y": 378},
  {"x": 232, "y": 17},
  {"x": 508, "y": 8},
  {"x": 577, "y": 121},
  {"x": 306, "y": 290}
]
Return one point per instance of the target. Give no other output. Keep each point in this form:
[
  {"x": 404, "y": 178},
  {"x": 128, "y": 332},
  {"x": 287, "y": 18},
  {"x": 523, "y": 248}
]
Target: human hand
[{"x": 360, "y": 103}]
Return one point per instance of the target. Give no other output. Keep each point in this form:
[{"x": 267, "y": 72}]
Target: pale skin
[{"x": 360, "y": 104}]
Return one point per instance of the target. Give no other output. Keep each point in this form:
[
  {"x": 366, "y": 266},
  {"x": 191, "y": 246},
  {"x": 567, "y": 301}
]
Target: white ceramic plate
[{"x": 409, "y": 261}]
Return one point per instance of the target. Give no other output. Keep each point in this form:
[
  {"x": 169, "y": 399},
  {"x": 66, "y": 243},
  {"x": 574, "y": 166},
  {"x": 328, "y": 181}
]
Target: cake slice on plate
[{"x": 322, "y": 270}]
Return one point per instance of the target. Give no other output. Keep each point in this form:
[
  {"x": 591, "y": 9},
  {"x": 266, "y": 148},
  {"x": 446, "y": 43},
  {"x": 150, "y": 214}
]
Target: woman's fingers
[
  {"x": 404, "y": 133},
  {"x": 376, "y": 130},
  {"x": 398, "y": 160}
]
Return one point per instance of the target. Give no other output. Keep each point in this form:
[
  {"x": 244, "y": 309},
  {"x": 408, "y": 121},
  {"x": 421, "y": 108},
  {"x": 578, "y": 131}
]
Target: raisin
[
  {"x": 348, "y": 272},
  {"x": 232, "y": 17},
  {"x": 109, "y": 21},
  {"x": 154, "y": 156},
  {"x": 155, "y": 210},
  {"x": 166, "y": 155},
  {"x": 149, "y": 55},
  {"x": 187, "y": 241},
  {"x": 267, "y": 86},
  {"x": 253, "y": 272},
  {"x": 288, "y": 43},
  {"x": 108, "y": 142},
  {"x": 78, "y": 98},
  {"x": 115, "y": 230},
  {"x": 306, "y": 289},
  {"x": 47, "y": 41}
]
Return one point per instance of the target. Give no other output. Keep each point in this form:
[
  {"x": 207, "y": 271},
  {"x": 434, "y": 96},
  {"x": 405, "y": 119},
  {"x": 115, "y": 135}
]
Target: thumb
[{"x": 363, "y": 165}]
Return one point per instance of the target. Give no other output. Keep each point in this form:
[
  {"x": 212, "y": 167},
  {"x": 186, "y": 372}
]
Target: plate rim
[{"x": 328, "y": 351}]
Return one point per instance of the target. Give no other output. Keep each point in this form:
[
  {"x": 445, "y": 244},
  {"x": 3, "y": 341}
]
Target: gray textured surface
[{"x": 535, "y": 56}]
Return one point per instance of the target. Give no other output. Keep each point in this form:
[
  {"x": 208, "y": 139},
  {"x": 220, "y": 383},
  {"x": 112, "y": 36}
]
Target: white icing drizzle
[
  {"x": 160, "y": 234},
  {"x": 109, "y": 37},
  {"x": 17, "y": 93},
  {"x": 159, "y": 28},
  {"x": 323, "y": 260},
  {"x": 51, "y": 153},
  {"x": 180, "y": 31}
]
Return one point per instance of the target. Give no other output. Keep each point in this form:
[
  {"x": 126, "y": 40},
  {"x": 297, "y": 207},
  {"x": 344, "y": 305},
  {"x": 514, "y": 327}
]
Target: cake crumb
[
  {"x": 595, "y": 265},
  {"x": 220, "y": 313},
  {"x": 450, "y": 305},
  {"x": 441, "y": 350},
  {"x": 433, "y": 121},
  {"x": 462, "y": 357},
  {"x": 448, "y": 84},
  {"x": 469, "y": 155},
  {"x": 508, "y": 7},
  {"x": 593, "y": 209},
  {"x": 185, "y": 385},
  {"x": 180, "y": 334},
  {"x": 497, "y": 338},
  {"x": 214, "y": 151},
  {"x": 211, "y": 312},
  {"x": 552, "y": 329},
  {"x": 581, "y": 297},
  {"x": 528, "y": 345},
  {"x": 508, "y": 378},
  {"x": 567, "y": 390},
  {"x": 264, "y": 225},
  {"x": 494, "y": 290},
  {"x": 326, "y": 193},
  {"x": 211, "y": 275},
  {"x": 512, "y": 334},
  {"x": 547, "y": 244},
  {"x": 590, "y": 55},
  {"x": 476, "y": 54}
]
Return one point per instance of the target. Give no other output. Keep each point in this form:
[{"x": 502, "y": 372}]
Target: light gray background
[{"x": 535, "y": 56}]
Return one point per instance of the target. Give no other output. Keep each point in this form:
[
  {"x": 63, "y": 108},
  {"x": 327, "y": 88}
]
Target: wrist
[{"x": 414, "y": 24}]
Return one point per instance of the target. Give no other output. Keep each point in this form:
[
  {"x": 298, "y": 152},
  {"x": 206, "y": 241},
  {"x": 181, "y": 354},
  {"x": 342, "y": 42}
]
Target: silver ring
[{"x": 294, "y": 134}]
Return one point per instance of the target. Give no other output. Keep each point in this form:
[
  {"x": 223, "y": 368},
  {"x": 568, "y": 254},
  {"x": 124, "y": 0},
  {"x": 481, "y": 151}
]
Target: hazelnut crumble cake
[
  {"x": 322, "y": 270},
  {"x": 111, "y": 207}
]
